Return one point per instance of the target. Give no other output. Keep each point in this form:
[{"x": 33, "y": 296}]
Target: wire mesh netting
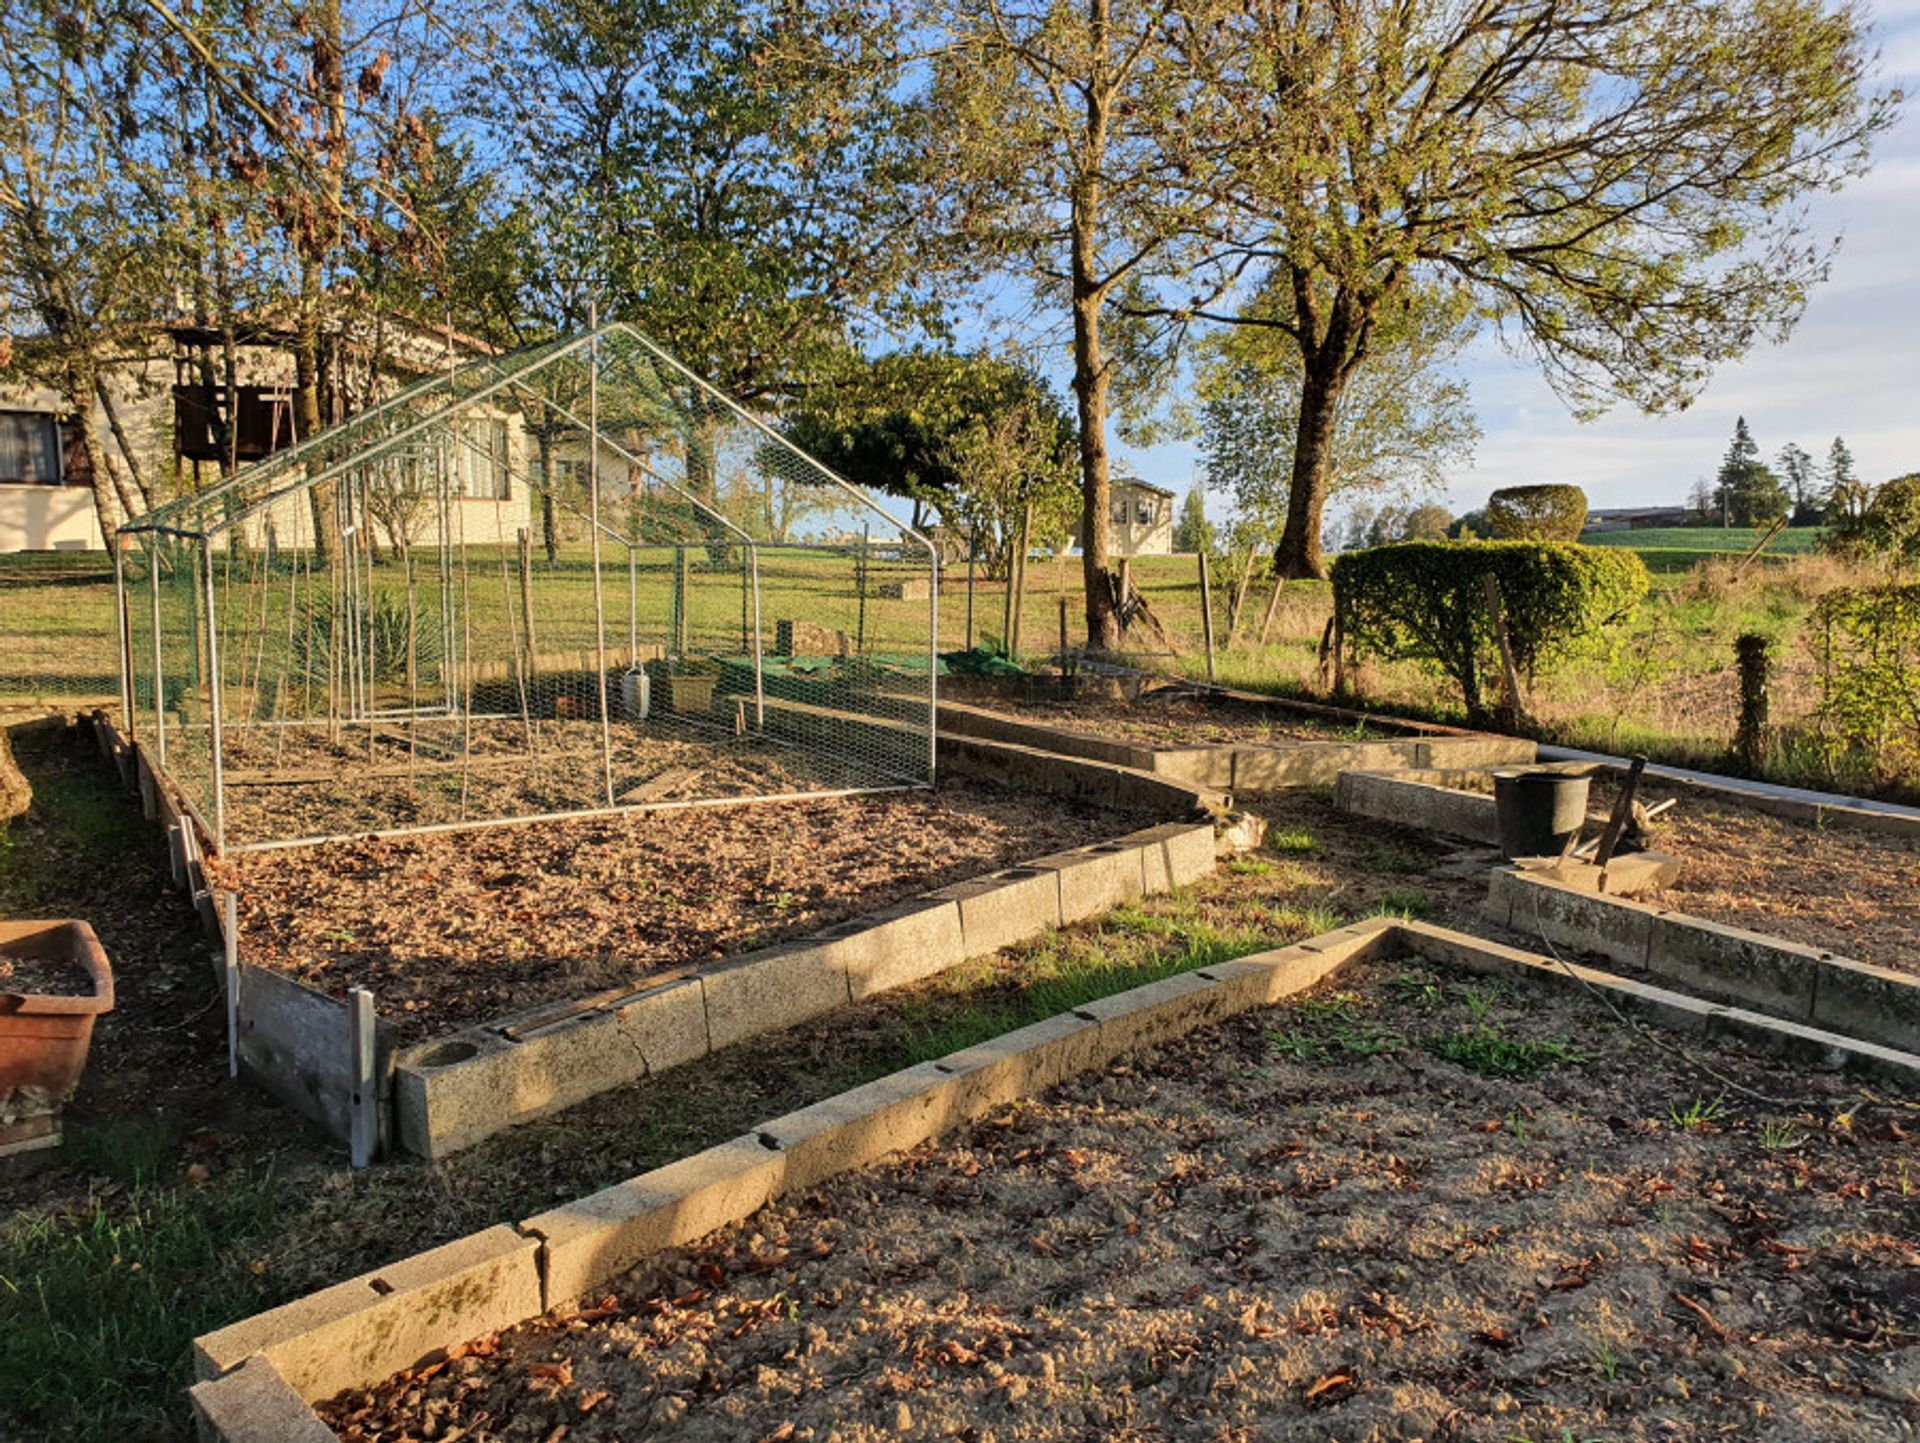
[{"x": 570, "y": 579}]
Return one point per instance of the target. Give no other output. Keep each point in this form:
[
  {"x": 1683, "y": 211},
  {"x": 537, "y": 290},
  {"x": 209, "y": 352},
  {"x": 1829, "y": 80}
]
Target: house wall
[
  {"x": 1134, "y": 539},
  {"x": 48, "y": 518}
]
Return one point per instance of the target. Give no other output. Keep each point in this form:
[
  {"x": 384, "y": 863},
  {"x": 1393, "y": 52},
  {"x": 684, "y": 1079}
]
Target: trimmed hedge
[
  {"x": 1549, "y": 512},
  {"x": 1426, "y": 601}
]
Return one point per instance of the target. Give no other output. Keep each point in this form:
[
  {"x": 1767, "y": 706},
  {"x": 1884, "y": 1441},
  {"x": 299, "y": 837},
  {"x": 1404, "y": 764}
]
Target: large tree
[
  {"x": 1613, "y": 183},
  {"x": 738, "y": 181},
  {"x": 1069, "y": 130},
  {"x": 973, "y": 438},
  {"x": 1405, "y": 420},
  {"x": 1748, "y": 492}
]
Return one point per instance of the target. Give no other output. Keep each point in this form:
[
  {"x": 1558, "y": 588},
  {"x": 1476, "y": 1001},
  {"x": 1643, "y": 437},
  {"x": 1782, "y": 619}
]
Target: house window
[
  {"x": 262, "y": 421},
  {"x": 29, "y": 449},
  {"x": 1120, "y": 513},
  {"x": 480, "y": 464},
  {"x": 570, "y": 475},
  {"x": 1143, "y": 511}
]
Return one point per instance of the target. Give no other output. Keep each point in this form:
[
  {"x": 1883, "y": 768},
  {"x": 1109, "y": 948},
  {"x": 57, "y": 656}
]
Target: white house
[
  {"x": 1141, "y": 516},
  {"x": 159, "y": 417}
]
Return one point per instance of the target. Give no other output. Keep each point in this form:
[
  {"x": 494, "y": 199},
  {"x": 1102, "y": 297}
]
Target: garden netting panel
[{"x": 573, "y": 579}]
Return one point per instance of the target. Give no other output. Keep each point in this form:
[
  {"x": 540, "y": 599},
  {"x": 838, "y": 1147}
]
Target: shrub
[
  {"x": 1537, "y": 513},
  {"x": 1426, "y": 601},
  {"x": 1887, "y": 530},
  {"x": 1870, "y": 676}
]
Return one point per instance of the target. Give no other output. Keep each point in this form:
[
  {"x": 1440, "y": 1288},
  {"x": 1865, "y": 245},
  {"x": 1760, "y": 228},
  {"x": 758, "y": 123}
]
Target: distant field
[{"x": 1671, "y": 549}]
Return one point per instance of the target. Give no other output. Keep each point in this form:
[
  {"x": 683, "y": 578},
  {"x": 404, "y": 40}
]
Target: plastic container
[{"x": 1538, "y": 811}]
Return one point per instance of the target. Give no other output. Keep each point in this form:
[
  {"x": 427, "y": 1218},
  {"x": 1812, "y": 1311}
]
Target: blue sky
[{"x": 1851, "y": 367}]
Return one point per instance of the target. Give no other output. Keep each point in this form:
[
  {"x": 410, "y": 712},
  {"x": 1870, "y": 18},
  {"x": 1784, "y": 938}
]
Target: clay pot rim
[{"x": 82, "y": 946}]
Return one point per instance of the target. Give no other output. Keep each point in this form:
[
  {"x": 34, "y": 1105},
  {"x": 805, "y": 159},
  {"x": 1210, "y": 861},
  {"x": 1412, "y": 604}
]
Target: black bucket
[{"x": 1538, "y": 812}]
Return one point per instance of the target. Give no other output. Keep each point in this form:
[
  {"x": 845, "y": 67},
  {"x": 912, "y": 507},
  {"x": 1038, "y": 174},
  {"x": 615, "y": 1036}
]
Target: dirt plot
[
  {"x": 1176, "y": 717},
  {"x": 1416, "y": 1205},
  {"x": 291, "y": 782},
  {"x": 1852, "y": 892},
  {"x": 455, "y": 928}
]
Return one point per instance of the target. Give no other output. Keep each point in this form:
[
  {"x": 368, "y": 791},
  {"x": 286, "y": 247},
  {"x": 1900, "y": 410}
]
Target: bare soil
[
  {"x": 289, "y": 783},
  {"x": 450, "y": 929},
  {"x": 1177, "y": 717},
  {"x": 1851, "y": 892},
  {"x": 1414, "y": 1206},
  {"x": 45, "y": 976}
]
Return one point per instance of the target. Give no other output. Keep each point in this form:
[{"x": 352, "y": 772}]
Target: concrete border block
[
  {"x": 891, "y": 1114},
  {"x": 1145, "y": 1015},
  {"x": 1569, "y": 917},
  {"x": 454, "y": 1091},
  {"x": 1202, "y": 766},
  {"x": 1411, "y": 802},
  {"x": 896, "y": 946},
  {"x": 1263, "y": 978},
  {"x": 1476, "y": 753},
  {"x": 1006, "y": 907},
  {"x": 254, "y": 1404},
  {"x": 771, "y": 989},
  {"x": 1025, "y": 1061},
  {"x": 1874, "y": 1003},
  {"x": 1770, "y": 975},
  {"x": 1094, "y": 879},
  {"x": 361, "y": 1331},
  {"x": 588, "y": 1242}
]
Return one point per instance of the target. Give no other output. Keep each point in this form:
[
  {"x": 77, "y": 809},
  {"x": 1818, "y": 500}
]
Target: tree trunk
[
  {"x": 548, "y": 537},
  {"x": 1090, "y": 375},
  {"x": 82, "y": 380},
  {"x": 1298, "y": 555}
]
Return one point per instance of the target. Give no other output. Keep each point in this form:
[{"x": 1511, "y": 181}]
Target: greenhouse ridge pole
[{"x": 599, "y": 596}]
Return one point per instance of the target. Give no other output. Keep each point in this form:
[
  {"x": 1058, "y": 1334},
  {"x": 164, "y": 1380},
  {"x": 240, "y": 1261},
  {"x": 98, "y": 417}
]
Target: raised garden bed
[
  {"x": 1848, "y": 891},
  {"x": 452, "y": 929},
  {"x": 1420, "y": 1201}
]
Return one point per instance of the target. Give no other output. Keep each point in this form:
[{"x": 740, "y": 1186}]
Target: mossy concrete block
[
  {"x": 904, "y": 943},
  {"x": 361, "y": 1331},
  {"x": 454, "y": 1091},
  {"x": 768, "y": 990},
  {"x": 1567, "y": 917},
  {"x": 1173, "y": 854},
  {"x": 1875, "y": 1004},
  {"x": 1764, "y": 973},
  {"x": 1005, "y": 908},
  {"x": 254, "y": 1404},
  {"x": 1094, "y": 879},
  {"x": 891, "y": 1114},
  {"x": 591, "y": 1241}
]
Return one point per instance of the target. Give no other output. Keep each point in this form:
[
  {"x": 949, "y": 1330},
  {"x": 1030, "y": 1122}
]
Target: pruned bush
[
  {"x": 1537, "y": 513},
  {"x": 1870, "y": 679},
  {"x": 1426, "y": 601}
]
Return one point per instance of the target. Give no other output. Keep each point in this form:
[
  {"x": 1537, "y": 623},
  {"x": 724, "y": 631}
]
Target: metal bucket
[{"x": 1538, "y": 811}]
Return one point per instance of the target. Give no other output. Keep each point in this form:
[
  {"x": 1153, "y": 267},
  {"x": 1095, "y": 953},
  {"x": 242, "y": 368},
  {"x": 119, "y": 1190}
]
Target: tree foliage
[
  {"x": 1405, "y": 421},
  {"x": 1550, "y": 512},
  {"x": 975, "y": 438},
  {"x": 1748, "y": 492},
  {"x": 1613, "y": 184},
  {"x": 1192, "y": 531},
  {"x": 1870, "y": 701},
  {"x": 1887, "y": 530},
  {"x": 1426, "y": 602}
]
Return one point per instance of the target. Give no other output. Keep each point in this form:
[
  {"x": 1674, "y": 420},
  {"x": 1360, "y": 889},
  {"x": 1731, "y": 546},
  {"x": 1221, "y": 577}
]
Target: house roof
[{"x": 1138, "y": 485}]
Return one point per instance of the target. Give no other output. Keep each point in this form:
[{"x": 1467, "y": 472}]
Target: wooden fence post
[{"x": 1206, "y": 613}]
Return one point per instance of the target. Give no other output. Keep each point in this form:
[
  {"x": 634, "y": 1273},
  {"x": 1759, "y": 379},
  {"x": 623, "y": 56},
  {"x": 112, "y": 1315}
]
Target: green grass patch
[
  {"x": 1293, "y": 841},
  {"x": 99, "y": 1308},
  {"x": 1493, "y": 1053}
]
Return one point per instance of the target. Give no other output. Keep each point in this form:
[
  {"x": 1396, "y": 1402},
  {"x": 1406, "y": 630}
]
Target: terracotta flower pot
[{"x": 43, "y": 1035}]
